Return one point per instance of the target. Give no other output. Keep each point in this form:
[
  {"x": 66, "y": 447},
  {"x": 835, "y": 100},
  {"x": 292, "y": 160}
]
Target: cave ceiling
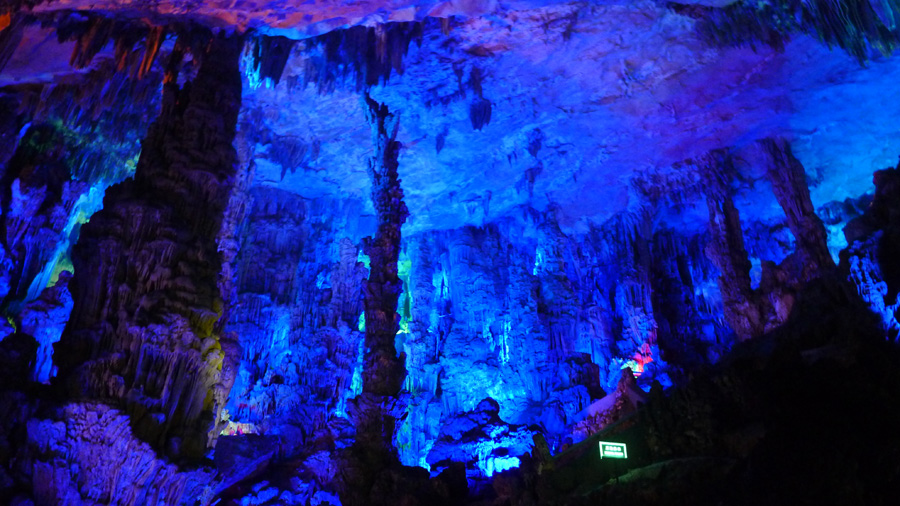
[{"x": 591, "y": 104}]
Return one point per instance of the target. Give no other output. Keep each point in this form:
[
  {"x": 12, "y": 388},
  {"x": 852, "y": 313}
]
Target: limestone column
[
  {"x": 383, "y": 371},
  {"x": 146, "y": 289}
]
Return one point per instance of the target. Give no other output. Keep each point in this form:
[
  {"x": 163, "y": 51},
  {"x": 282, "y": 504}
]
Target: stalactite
[
  {"x": 788, "y": 180},
  {"x": 366, "y": 56},
  {"x": 154, "y": 40},
  {"x": 480, "y": 113},
  {"x": 270, "y": 55},
  {"x": 10, "y": 37},
  {"x": 853, "y": 25},
  {"x": 89, "y": 42},
  {"x": 726, "y": 251}
]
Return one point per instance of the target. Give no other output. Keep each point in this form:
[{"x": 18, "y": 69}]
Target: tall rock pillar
[
  {"x": 383, "y": 371},
  {"x": 142, "y": 335},
  {"x": 371, "y": 463}
]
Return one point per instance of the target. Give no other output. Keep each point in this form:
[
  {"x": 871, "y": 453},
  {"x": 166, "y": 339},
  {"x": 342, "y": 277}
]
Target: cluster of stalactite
[
  {"x": 686, "y": 302},
  {"x": 853, "y": 25},
  {"x": 544, "y": 323},
  {"x": 136, "y": 43},
  {"x": 359, "y": 56},
  {"x": 63, "y": 144},
  {"x": 270, "y": 55},
  {"x": 296, "y": 311},
  {"x": 141, "y": 334}
]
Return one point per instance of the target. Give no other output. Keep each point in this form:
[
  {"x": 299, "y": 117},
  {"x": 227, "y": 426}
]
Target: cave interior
[{"x": 449, "y": 252}]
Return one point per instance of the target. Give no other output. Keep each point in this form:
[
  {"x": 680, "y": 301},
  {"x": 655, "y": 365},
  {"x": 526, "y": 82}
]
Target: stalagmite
[{"x": 372, "y": 463}]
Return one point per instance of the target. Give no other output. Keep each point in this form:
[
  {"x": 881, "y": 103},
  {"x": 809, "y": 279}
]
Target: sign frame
[{"x": 609, "y": 450}]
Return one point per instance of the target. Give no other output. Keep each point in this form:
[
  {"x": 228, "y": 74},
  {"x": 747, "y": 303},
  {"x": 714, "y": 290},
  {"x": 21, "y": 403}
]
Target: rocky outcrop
[
  {"x": 621, "y": 403},
  {"x": 481, "y": 440},
  {"x": 45, "y": 318},
  {"x": 146, "y": 296},
  {"x": 87, "y": 453},
  {"x": 874, "y": 243}
]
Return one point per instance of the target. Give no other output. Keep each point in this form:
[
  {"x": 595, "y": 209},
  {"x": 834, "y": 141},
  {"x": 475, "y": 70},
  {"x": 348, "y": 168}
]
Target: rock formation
[
  {"x": 788, "y": 180},
  {"x": 377, "y": 408},
  {"x": 141, "y": 333},
  {"x": 617, "y": 222}
]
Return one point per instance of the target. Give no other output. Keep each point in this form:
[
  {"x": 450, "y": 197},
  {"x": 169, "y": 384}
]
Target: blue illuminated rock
[
  {"x": 90, "y": 453},
  {"x": 44, "y": 319},
  {"x": 481, "y": 440}
]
